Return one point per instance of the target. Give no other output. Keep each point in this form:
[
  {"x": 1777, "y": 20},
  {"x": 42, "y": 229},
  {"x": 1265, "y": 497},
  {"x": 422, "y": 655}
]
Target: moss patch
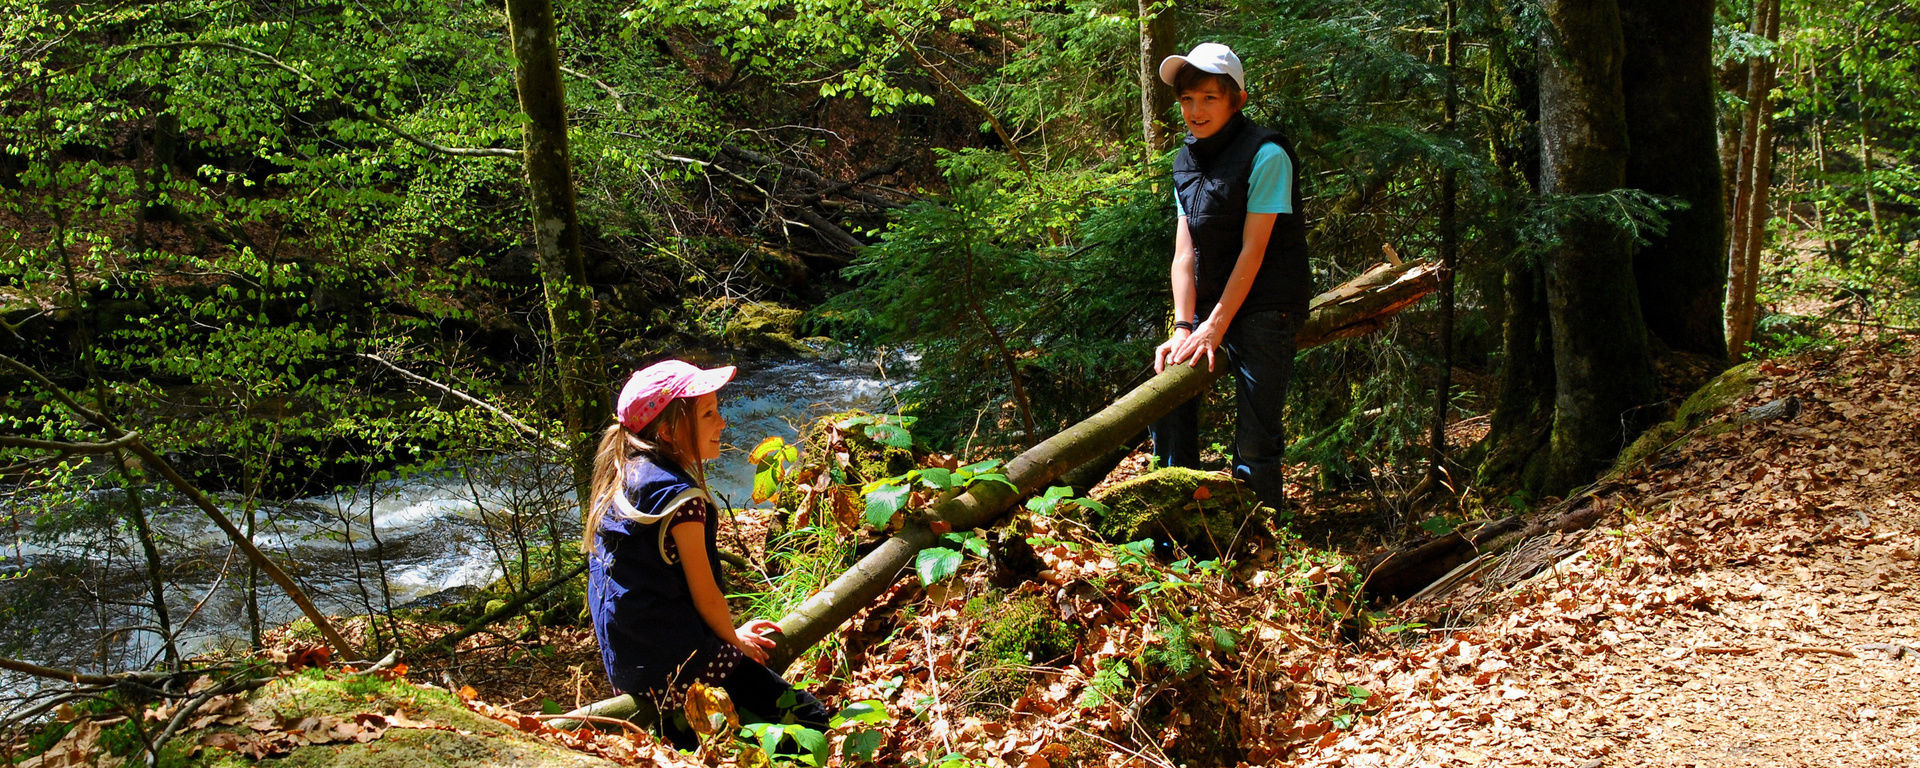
[
  {"x": 1016, "y": 632},
  {"x": 474, "y": 740},
  {"x": 1202, "y": 511},
  {"x": 1694, "y": 414}
]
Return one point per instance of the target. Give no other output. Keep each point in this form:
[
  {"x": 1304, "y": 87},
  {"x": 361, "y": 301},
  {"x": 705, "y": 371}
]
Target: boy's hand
[
  {"x": 1203, "y": 341},
  {"x": 1168, "y": 351}
]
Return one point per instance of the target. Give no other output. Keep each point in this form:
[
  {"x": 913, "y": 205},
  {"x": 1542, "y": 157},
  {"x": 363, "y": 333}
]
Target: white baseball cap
[{"x": 1208, "y": 57}]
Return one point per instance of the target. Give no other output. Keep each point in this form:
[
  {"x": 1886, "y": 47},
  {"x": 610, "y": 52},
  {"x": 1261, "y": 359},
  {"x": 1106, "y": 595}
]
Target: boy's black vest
[{"x": 1211, "y": 177}]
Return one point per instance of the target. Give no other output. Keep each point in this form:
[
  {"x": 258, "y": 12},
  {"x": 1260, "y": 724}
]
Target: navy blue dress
[{"x": 652, "y": 639}]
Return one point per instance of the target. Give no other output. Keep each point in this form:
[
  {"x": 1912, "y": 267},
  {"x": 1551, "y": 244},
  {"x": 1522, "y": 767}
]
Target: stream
[{"x": 80, "y": 601}]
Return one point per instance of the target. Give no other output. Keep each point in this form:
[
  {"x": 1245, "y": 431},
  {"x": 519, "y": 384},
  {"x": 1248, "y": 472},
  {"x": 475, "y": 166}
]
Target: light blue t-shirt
[{"x": 1269, "y": 186}]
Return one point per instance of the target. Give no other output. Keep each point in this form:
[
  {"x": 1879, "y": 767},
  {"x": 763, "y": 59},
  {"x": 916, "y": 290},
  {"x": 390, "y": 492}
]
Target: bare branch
[
  {"x": 77, "y": 678},
  {"x": 961, "y": 93},
  {"x": 66, "y": 448},
  {"x": 518, "y": 425},
  {"x": 618, "y": 104}
]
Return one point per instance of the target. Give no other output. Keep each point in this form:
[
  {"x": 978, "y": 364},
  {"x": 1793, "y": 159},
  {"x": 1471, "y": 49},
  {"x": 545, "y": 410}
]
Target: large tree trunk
[
  {"x": 1158, "y": 27},
  {"x": 1358, "y": 306},
  {"x": 556, "y": 228},
  {"x": 1668, "y": 84},
  {"x": 1603, "y": 370}
]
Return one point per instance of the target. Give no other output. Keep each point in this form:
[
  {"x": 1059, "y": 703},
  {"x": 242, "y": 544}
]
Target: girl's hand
[
  {"x": 751, "y": 638},
  {"x": 1168, "y": 352}
]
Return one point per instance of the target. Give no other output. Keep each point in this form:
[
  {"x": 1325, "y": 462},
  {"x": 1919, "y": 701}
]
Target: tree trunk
[
  {"x": 1751, "y": 188},
  {"x": 1667, "y": 79},
  {"x": 556, "y": 229},
  {"x": 1517, "y": 432},
  {"x": 1358, "y": 306},
  {"x": 1603, "y": 370},
  {"x": 1159, "y": 26}
]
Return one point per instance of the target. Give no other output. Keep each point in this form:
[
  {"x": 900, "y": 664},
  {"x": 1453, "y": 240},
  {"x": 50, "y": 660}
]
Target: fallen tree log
[{"x": 1357, "y": 306}]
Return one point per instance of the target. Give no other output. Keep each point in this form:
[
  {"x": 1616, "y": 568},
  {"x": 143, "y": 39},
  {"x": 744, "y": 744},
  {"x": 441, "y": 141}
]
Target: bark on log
[{"x": 1355, "y": 307}]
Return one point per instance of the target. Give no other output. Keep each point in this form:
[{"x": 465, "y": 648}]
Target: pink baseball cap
[{"x": 651, "y": 388}]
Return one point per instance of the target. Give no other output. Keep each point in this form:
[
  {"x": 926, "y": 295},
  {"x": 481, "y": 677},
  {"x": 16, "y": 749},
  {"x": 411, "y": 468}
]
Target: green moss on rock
[
  {"x": 1162, "y": 505},
  {"x": 766, "y": 329},
  {"x": 1694, "y": 414}
]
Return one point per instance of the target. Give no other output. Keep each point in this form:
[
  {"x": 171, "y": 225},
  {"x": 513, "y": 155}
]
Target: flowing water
[{"x": 81, "y": 601}]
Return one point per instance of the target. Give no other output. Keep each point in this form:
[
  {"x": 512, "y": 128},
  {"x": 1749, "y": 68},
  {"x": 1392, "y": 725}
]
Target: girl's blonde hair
[{"x": 668, "y": 437}]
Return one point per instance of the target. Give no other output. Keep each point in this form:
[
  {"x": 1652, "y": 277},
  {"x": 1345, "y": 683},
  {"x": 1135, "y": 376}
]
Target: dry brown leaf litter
[{"x": 1746, "y": 605}]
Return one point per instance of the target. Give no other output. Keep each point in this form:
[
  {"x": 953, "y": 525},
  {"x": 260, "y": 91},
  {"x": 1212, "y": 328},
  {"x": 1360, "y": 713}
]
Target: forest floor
[{"x": 1747, "y": 599}]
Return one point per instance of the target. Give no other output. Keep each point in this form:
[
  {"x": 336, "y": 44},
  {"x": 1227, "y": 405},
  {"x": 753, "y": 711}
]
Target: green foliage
[
  {"x": 1847, "y": 172},
  {"x": 885, "y": 499},
  {"x": 1350, "y": 706},
  {"x": 1176, "y": 651},
  {"x": 986, "y": 286},
  {"x": 936, "y": 564},
  {"x": 1108, "y": 684}
]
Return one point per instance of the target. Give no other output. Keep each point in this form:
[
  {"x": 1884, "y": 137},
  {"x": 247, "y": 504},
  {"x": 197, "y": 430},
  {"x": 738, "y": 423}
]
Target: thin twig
[
  {"x": 518, "y": 425},
  {"x": 601, "y": 719}
]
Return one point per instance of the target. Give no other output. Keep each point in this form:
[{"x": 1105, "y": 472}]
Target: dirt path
[{"x": 1753, "y": 603}]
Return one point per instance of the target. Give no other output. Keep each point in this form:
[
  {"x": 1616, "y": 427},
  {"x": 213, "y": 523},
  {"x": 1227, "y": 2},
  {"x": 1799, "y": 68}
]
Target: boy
[{"x": 1240, "y": 277}]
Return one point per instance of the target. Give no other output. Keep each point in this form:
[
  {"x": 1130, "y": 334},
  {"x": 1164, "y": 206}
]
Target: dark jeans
[
  {"x": 756, "y": 692},
  {"x": 1259, "y": 351}
]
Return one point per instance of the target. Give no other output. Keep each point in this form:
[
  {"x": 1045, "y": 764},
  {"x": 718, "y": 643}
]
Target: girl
[{"x": 653, "y": 567}]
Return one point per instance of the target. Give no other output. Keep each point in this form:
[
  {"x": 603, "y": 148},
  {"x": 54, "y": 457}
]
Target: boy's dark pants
[{"x": 1259, "y": 349}]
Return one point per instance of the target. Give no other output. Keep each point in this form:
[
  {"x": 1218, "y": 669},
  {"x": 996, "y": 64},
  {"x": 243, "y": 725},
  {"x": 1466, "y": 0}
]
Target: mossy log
[{"x": 1357, "y": 306}]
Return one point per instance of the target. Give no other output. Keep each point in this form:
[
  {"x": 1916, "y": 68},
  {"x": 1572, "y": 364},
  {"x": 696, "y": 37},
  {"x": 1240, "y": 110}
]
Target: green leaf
[
  {"x": 884, "y": 502},
  {"x": 978, "y": 467},
  {"x": 937, "y": 477},
  {"x": 861, "y": 745},
  {"x": 890, "y": 435},
  {"x": 813, "y": 744},
  {"x": 935, "y": 564},
  {"x": 969, "y": 542},
  {"x": 764, "y": 486},
  {"x": 867, "y": 711},
  {"x": 1046, "y": 502},
  {"x": 770, "y": 738}
]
